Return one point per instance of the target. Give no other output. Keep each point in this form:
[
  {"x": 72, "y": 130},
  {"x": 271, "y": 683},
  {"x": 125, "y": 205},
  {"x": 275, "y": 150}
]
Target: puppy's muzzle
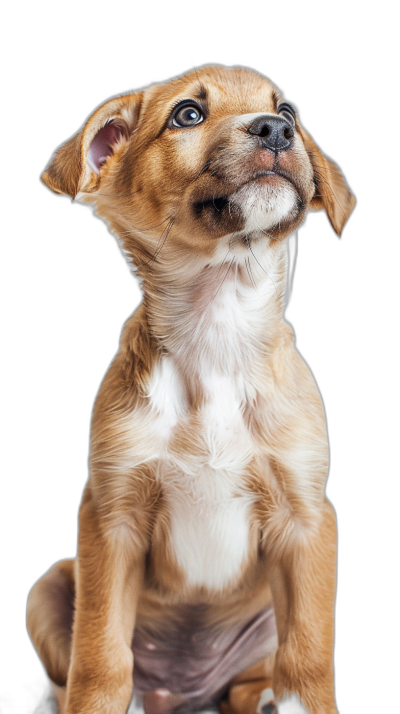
[{"x": 276, "y": 134}]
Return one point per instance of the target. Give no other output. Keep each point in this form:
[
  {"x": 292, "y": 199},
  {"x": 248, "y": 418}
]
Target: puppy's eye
[
  {"x": 186, "y": 116},
  {"x": 288, "y": 112}
]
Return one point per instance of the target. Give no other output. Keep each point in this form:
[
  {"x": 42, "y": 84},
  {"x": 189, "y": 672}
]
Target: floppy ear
[
  {"x": 331, "y": 190},
  {"x": 76, "y": 166}
]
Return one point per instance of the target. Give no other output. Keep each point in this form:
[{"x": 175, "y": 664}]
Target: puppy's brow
[{"x": 200, "y": 93}]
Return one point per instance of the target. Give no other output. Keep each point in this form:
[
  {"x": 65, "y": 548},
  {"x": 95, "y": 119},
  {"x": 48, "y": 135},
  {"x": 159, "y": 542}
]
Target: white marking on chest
[
  {"x": 209, "y": 527},
  {"x": 228, "y": 440},
  {"x": 166, "y": 395},
  {"x": 203, "y": 485},
  {"x": 209, "y": 510},
  {"x": 291, "y": 704}
]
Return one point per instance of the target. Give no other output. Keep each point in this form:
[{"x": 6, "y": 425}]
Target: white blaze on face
[{"x": 291, "y": 704}]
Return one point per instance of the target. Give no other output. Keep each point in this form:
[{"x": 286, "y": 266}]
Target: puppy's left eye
[
  {"x": 288, "y": 112},
  {"x": 186, "y": 116}
]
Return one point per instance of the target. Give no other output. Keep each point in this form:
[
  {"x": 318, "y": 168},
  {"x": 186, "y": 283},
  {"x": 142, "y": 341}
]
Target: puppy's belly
[{"x": 189, "y": 664}]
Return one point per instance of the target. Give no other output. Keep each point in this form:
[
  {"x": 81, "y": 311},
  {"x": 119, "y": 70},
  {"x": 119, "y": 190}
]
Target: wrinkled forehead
[{"x": 222, "y": 91}]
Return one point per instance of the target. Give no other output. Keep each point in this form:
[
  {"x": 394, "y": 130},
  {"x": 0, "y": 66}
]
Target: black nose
[{"x": 275, "y": 132}]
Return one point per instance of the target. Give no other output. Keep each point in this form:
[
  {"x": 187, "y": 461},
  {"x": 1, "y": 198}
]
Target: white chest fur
[
  {"x": 208, "y": 508},
  {"x": 221, "y": 338}
]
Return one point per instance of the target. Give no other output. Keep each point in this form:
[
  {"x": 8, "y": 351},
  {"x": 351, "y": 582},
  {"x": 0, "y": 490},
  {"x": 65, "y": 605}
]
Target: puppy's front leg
[
  {"x": 303, "y": 586},
  {"x": 109, "y": 578}
]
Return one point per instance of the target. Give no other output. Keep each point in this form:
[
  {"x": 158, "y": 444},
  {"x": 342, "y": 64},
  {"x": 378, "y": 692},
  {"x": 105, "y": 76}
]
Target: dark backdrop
[{"x": 72, "y": 291}]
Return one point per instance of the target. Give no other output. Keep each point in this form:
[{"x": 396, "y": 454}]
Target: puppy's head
[{"x": 215, "y": 154}]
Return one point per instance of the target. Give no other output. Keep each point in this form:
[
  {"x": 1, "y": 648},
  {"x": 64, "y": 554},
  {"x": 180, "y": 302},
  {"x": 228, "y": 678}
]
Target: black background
[{"x": 72, "y": 290}]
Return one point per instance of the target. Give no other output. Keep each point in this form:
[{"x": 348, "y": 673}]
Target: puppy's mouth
[
  {"x": 216, "y": 203},
  {"x": 268, "y": 200}
]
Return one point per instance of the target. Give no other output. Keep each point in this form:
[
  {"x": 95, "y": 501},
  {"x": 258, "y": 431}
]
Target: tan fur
[{"x": 211, "y": 318}]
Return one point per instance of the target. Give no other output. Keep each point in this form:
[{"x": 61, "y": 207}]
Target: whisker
[
  {"x": 203, "y": 170},
  {"x": 266, "y": 233},
  {"x": 144, "y": 230},
  {"x": 257, "y": 261},
  {"x": 291, "y": 265},
  {"x": 247, "y": 263},
  {"x": 223, "y": 262},
  {"x": 249, "y": 273},
  {"x": 161, "y": 242},
  {"x": 108, "y": 195},
  {"x": 225, "y": 277}
]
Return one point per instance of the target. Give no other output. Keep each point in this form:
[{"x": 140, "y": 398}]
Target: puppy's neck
[{"x": 222, "y": 314}]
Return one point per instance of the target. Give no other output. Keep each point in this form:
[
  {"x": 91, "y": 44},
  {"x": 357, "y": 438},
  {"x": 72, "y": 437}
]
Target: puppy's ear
[
  {"x": 331, "y": 190},
  {"x": 77, "y": 165}
]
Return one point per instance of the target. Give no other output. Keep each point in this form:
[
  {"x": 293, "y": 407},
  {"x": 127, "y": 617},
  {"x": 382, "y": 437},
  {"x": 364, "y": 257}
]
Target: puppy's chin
[{"x": 267, "y": 205}]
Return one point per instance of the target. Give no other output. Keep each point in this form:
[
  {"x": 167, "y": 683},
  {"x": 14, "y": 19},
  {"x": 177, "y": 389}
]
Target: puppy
[{"x": 205, "y": 572}]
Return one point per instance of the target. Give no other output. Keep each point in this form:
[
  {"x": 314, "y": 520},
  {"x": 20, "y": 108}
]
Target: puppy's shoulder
[
  {"x": 126, "y": 380},
  {"x": 138, "y": 350},
  {"x": 288, "y": 367}
]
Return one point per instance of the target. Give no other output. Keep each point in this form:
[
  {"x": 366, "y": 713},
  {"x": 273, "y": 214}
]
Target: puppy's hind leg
[
  {"x": 251, "y": 692},
  {"x": 49, "y": 621}
]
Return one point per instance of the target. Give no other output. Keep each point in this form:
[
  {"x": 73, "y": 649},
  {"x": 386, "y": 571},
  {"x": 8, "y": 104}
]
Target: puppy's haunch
[{"x": 206, "y": 561}]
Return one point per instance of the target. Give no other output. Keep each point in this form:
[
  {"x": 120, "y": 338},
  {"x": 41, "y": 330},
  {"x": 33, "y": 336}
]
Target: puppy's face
[{"x": 212, "y": 156}]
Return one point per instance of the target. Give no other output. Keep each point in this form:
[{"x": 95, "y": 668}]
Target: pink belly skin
[{"x": 190, "y": 664}]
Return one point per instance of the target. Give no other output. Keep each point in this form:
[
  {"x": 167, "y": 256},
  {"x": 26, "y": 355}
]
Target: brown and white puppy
[{"x": 207, "y": 549}]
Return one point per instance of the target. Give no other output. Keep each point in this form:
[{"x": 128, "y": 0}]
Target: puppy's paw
[
  {"x": 267, "y": 705},
  {"x": 291, "y": 704}
]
